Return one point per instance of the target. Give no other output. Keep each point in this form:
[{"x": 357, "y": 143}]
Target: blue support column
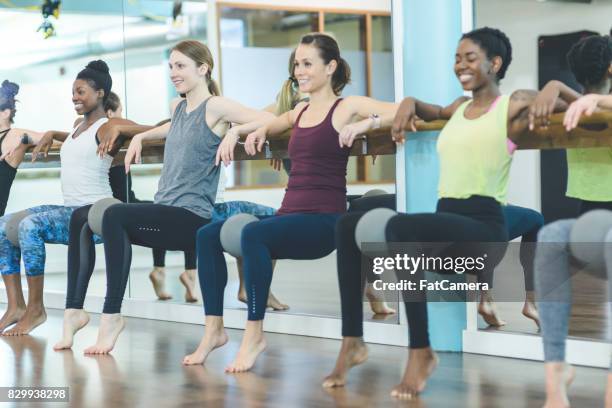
[{"x": 431, "y": 30}]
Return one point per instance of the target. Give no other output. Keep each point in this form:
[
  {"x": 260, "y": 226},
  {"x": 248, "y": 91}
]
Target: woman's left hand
[
  {"x": 225, "y": 152},
  {"x": 349, "y": 132},
  {"x": 542, "y": 107}
]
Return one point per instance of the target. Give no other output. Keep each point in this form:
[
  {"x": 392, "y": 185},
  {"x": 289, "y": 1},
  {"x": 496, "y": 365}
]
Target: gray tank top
[{"x": 189, "y": 178}]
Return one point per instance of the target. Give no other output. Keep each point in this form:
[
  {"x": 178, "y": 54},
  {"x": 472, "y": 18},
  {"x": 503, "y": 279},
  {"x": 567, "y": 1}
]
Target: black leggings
[
  {"x": 348, "y": 260},
  {"x": 150, "y": 225},
  {"x": 121, "y": 184},
  {"x": 586, "y": 206},
  {"x": 81, "y": 258},
  {"x": 476, "y": 219}
]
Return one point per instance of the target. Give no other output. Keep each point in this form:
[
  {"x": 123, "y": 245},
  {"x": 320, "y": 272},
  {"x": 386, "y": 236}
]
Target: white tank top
[{"x": 84, "y": 175}]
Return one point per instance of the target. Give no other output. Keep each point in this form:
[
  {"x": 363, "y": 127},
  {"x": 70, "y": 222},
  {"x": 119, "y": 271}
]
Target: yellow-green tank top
[
  {"x": 474, "y": 156},
  {"x": 589, "y": 174}
]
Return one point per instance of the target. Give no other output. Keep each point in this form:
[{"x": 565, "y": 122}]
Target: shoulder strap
[
  {"x": 297, "y": 120},
  {"x": 333, "y": 108},
  {"x": 179, "y": 106}
]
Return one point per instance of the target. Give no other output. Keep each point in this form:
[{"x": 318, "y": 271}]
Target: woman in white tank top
[{"x": 84, "y": 180}]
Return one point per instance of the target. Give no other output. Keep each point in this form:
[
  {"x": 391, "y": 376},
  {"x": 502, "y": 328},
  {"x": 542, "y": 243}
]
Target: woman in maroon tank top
[{"x": 303, "y": 228}]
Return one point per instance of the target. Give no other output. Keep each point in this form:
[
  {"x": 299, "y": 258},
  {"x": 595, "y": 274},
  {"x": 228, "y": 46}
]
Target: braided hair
[{"x": 590, "y": 58}]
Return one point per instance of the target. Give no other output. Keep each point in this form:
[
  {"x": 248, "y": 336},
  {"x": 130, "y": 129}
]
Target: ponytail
[
  {"x": 213, "y": 87},
  {"x": 288, "y": 97},
  {"x": 341, "y": 76}
]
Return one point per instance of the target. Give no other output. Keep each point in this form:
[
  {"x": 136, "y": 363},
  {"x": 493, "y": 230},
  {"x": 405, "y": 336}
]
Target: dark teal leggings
[{"x": 291, "y": 236}]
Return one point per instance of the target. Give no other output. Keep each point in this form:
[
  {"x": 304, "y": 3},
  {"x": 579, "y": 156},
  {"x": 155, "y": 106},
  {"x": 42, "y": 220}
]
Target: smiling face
[
  {"x": 84, "y": 97},
  {"x": 184, "y": 72},
  {"x": 310, "y": 69},
  {"x": 472, "y": 66}
]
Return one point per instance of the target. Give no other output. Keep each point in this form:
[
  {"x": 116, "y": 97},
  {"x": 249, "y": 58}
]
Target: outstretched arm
[
  {"x": 586, "y": 105},
  {"x": 412, "y": 109},
  {"x": 113, "y": 133},
  {"x": 361, "y": 114},
  {"x": 555, "y": 96},
  {"x": 519, "y": 112},
  {"x": 256, "y": 139}
]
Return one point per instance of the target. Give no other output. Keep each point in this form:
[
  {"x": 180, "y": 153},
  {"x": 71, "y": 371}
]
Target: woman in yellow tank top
[{"x": 475, "y": 150}]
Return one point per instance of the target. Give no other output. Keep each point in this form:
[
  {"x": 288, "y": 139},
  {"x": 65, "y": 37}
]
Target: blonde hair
[
  {"x": 289, "y": 96},
  {"x": 201, "y": 55}
]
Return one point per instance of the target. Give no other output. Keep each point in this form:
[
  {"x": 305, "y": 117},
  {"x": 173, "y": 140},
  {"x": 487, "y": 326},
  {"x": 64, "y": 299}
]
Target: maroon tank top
[{"x": 317, "y": 181}]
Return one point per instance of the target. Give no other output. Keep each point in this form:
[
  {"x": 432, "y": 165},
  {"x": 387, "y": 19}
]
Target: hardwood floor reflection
[{"x": 145, "y": 370}]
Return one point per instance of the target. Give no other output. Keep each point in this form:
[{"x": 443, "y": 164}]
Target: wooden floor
[{"x": 145, "y": 371}]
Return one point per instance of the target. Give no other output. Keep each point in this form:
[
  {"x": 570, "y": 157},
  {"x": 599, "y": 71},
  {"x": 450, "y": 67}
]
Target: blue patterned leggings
[{"x": 45, "y": 224}]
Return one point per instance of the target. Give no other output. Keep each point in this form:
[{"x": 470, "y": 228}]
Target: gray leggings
[{"x": 554, "y": 287}]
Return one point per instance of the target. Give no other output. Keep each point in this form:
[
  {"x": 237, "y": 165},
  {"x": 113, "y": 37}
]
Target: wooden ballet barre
[
  {"x": 594, "y": 131},
  {"x": 377, "y": 142}
]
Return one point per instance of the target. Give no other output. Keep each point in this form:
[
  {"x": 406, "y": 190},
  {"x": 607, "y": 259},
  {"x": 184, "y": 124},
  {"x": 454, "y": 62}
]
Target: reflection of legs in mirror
[
  {"x": 253, "y": 344},
  {"x": 158, "y": 280},
  {"x": 352, "y": 352},
  {"x": 530, "y": 309},
  {"x": 16, "y": 303},
  {"x": 488, "y": 310},
  {"x": 525, "y": 223},
  {"x": 158, "y": 274},
  {"x": 214, "y": 337},
  {"x": 74, "y": 320},
  {"x": 377, "y": 303},
  {"x": 187, "y": 278},
  {"x": 273, "y": 302},
  {"x": 35, "y": 313},
  {"x": 111, "y": 326}
]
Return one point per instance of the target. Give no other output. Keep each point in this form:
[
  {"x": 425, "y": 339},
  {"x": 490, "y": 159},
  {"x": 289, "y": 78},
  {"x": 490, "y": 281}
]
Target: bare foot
[
  {"x": 11, "y": 316},
  {"x": 352, "y": 353},
  {"x": 273, "y": 302},
  {"x": 421, "y": 364},
  {"x": 158, "y": 279},
  {"x": 531, "y": 311},
  {"x": 187, "y": 278},
  {"x": 74, "y": 320},
  {"x": 377, "y": 304},
  {"x": 214, "y": 337},
  {"x": 276, "y": 304},
  {"x": 110, "y": 328},
  {"x": 31, "y": 319},
  {"x": 559, "y": 376},
  {"x": 488, "y": 311},
  {"x": 253, "y": 344}
]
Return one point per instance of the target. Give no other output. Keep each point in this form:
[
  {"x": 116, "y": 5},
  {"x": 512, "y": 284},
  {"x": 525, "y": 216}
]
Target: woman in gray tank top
[{"x": 188, "y": 183}]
